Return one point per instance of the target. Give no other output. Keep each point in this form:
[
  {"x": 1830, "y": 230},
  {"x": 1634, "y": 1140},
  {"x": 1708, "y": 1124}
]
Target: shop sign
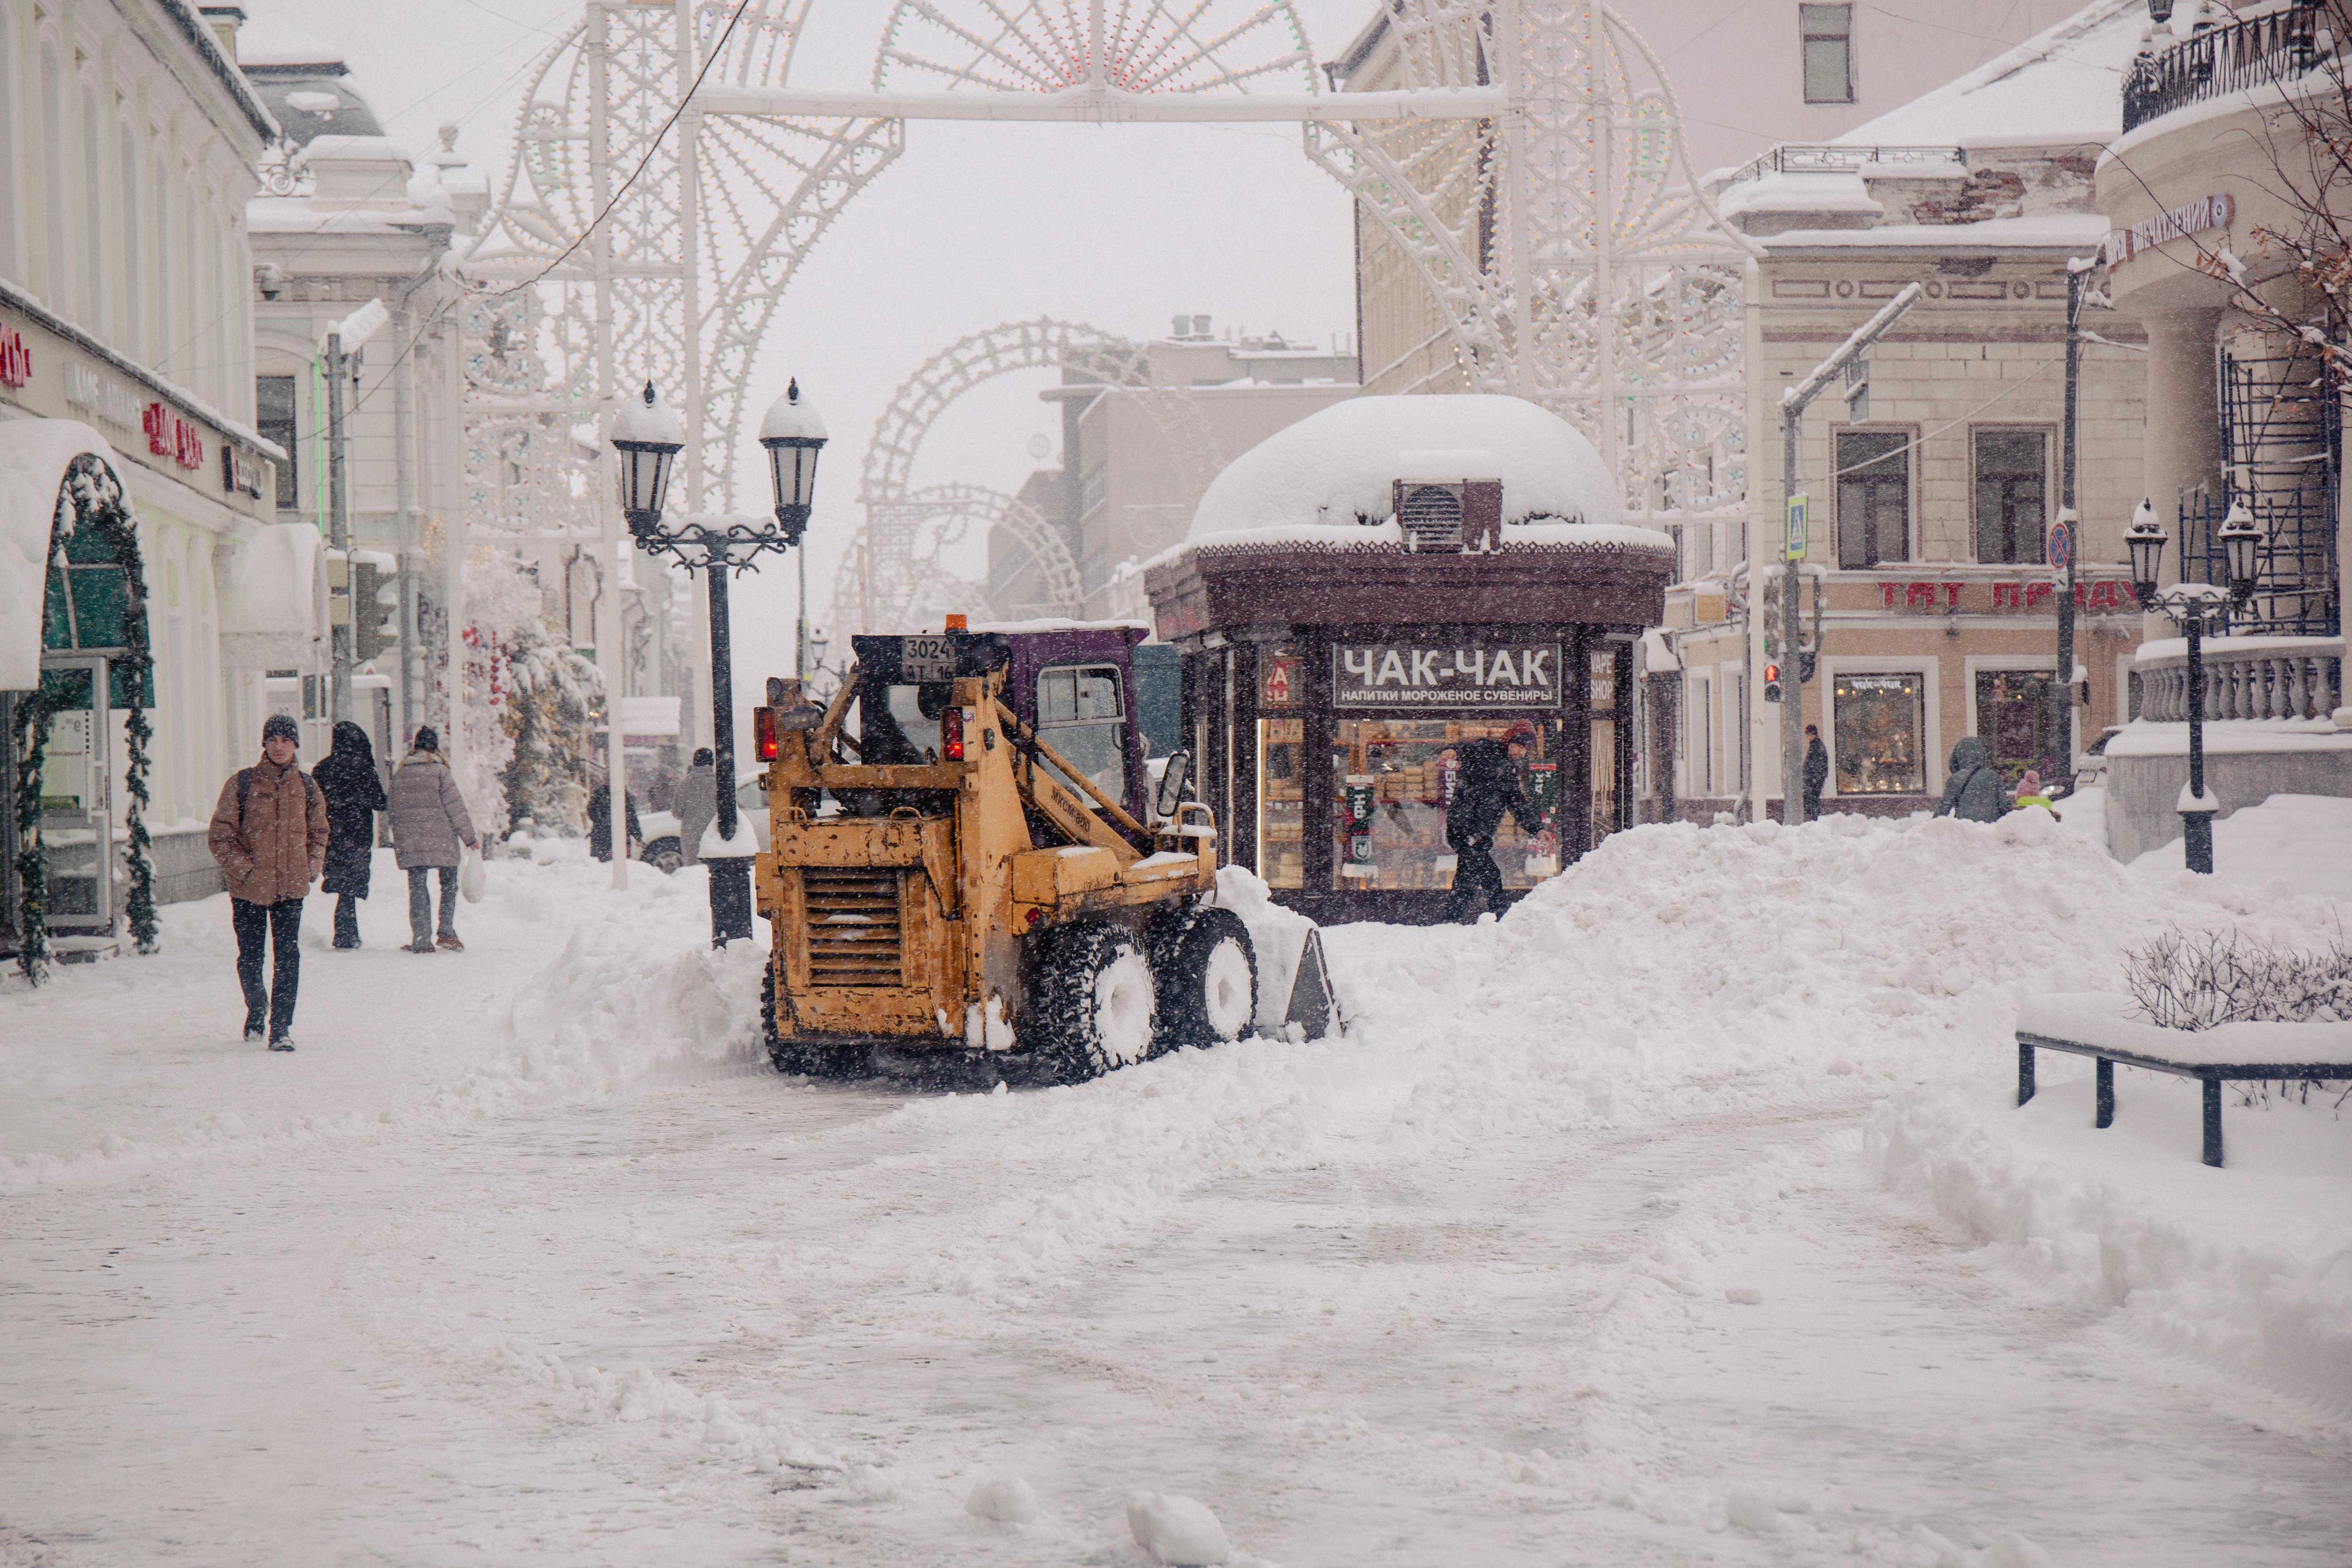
[
  {"x": 241, "y": 472},
  {"x": 1278, "y": 685},
  {"x": 2028, "y": 596},
  {"x": 2213, "y": 211},
  {"x": 88, "y": 391},
  {"x": 1357, "y": 799},
  {"x": 15, "y": 360},
  {"x": 168, "y": 435},
  {"x": 1406, "y": 676}
]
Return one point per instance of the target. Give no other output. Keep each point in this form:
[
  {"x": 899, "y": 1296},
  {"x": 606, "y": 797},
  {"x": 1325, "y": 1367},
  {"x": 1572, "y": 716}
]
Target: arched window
[
  {"x": 55, "y": 285},
  {"x": 94, "y": 258},
  {"x": 12, "y": 134},
  {"x": 133, "y": 271}
]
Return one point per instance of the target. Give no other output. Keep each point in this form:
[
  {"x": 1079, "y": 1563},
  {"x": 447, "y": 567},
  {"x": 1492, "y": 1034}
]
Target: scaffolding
[{"x": 2282, "y": 423}]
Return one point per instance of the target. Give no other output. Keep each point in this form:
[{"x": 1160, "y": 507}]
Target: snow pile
[
  {"x": 1177, "y": 1530},
  {"x": 1342, "y": 462},
  {"x": 1004, "y": 1499},
  {"x": 2300, "y": 841}
]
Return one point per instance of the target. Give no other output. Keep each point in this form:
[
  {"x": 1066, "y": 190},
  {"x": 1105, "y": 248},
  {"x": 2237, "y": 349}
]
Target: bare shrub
[{"x": 2204, "y": 979}]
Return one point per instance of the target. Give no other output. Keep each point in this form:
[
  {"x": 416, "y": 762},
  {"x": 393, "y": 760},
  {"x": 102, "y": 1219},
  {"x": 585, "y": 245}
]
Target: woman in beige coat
[{"x": 429, "y": 821}]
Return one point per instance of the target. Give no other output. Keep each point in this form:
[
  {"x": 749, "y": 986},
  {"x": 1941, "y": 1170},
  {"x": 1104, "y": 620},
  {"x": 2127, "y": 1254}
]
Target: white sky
[{"x": 1119, "y": 227}]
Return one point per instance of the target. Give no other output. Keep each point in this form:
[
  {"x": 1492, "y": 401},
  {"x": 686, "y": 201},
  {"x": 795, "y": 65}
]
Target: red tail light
[
  {"x": 763, "y": 733},
  {"x": 952, "y": 733}
]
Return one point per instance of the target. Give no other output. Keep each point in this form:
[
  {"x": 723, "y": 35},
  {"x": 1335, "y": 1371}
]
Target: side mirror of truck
[{"x": 1172, "y": 777}]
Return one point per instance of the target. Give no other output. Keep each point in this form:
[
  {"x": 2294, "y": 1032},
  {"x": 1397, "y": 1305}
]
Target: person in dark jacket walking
[
  {"x": 355, "y": 795},
  {"x": 600, "y": 819},
  {"x": 270, "y": 835},
  {"x": 1486, "y": 784},
  {"x": 1972, "y": 791},
  {"x": 697, "y": 803},
  {"x": 429, "y": 821},
  {"x": 1817, "y": 771}
]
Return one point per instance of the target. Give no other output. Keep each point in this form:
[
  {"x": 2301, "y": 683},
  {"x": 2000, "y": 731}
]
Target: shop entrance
[
  {"x": 2014, "y": 721},
  {"x": 76, "y": 818}
]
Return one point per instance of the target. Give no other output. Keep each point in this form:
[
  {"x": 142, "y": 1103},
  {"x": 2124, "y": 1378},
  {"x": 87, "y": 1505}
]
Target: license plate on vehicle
[{"x": 925, "y": 659}]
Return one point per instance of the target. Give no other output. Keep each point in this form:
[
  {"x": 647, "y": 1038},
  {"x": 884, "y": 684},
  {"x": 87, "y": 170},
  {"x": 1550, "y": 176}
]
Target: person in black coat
[
  {"x": 354, "y": 793},
  {"x": 1486, "y": 786},
  {"x": 1817, "y": 771}
]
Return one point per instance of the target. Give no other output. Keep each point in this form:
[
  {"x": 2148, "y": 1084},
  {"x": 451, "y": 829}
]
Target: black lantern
[
  {"x": 648, "y": 436},
  {"x": 2242, "y": 543},
  {"x": 2145, "y": 539},
  {"x": 2159, "y": 11},
  {"x": 794, "y": 434}
]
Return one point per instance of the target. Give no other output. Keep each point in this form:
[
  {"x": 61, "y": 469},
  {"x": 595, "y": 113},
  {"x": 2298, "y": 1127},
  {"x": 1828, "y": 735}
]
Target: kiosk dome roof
[{"x": 1321, "y": 474}]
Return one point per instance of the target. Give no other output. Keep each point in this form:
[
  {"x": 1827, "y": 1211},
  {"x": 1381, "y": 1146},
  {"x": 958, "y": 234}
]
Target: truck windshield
[{"x": 1080, "y": 714}]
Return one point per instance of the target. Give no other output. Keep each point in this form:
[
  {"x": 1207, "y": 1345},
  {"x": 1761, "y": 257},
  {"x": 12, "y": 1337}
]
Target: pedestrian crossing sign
[{"x": 1797, "y": 508}]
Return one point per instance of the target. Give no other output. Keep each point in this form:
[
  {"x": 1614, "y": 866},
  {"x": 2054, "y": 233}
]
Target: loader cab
[{"x": 1074, "y": 683}]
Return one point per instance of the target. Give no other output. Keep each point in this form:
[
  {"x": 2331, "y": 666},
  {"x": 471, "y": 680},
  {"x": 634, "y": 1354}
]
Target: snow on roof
[
  {"x": 266, "y": 41},
  {"x": 34, "y": 456},
  {"x": 2061, "y": 87},
  {"x": 1323, "y": 472},
  {"x": 272, "y": 618},
  {"x": 2055, "y": 231},
  {"x": 1840, "y": 190}
]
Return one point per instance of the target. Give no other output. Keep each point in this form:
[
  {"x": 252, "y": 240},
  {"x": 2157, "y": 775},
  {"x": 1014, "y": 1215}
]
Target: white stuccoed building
[{"x": 128, "y": 140}]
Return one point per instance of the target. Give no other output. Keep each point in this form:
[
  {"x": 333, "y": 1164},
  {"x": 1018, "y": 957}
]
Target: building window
[
  {"x": 2012, "y": 496},
  {"x": 2017, "y": 721},
  {"x": 1880, "y": 723},
  {"x": 1828, "y": 32},
  {"x": 273, "y": 402},
  {"x": 1874, "y": 497}
]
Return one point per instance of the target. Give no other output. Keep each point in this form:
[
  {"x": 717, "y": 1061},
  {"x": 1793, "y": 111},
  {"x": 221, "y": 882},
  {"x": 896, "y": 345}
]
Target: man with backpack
[
  {"x": 270, "y": 835},
  {"x": 1487, "y": 785}
]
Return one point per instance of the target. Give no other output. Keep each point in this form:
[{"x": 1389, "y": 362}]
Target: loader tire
[
  {"x": 1092, "y": 1005},
  {"x": 801, "y": 1058},
  {"x": 1206, "y": 971}
]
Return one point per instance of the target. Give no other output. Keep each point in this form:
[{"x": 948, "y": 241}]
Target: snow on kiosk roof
[
  {"x": 1337, "y": 466},
  {"x": 1530, "y": 533}
]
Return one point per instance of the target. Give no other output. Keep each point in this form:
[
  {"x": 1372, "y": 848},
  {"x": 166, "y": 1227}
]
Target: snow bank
[{"x": 1343, "y": 461}]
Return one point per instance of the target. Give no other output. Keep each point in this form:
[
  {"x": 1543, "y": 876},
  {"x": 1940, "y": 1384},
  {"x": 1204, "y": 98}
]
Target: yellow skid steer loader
[{"x": 965, "y": 878}]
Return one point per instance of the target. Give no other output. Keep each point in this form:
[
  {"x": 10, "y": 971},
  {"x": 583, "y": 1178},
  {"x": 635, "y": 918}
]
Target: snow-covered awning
[
  {"x": 272, "y": 620},
  {"x": 34, "y": 456},
  {"x": 1658, "y": 656}
]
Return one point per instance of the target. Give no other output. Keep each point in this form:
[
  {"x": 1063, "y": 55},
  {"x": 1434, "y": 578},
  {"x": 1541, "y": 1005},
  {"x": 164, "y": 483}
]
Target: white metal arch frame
[
  {"x": 678, "y": 281},
  {"x": 895, "y": 557},
  {"x": 1564, "y": 242}
]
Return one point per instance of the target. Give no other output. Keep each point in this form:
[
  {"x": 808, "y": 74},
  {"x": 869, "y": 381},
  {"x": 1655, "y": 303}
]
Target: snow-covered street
[{"x": 1685, "y": 1215}]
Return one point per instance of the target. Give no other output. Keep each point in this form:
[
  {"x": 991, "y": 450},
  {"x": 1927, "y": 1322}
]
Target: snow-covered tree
[{"x": 550, "y": 694}]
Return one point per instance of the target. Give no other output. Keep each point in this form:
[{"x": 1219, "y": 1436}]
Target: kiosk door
[{"x": 76, "y": 847}]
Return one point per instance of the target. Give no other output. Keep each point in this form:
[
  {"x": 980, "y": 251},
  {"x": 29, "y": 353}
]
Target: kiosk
[{"x": 1373, "y": 587}]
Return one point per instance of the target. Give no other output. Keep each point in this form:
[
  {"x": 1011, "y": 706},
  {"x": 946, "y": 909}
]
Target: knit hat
[
  {"x": 427, "y": 738},
  {"x": 1521, "y": 733},
  {"x": 2031, "y": 784},
  {"x": 280, "y": 727}
]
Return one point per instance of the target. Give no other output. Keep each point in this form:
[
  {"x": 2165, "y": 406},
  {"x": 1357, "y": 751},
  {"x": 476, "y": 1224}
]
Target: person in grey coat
[
  {"x": 1972, "y": 792},
  {"x": 428, "y": 823},
  {"x": 697, "y": 803}
]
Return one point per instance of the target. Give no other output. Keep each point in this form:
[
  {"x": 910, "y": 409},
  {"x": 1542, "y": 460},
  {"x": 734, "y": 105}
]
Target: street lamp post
[
  {"x": 793, "y": 435},
  {"x": 2199, "y": 609}
]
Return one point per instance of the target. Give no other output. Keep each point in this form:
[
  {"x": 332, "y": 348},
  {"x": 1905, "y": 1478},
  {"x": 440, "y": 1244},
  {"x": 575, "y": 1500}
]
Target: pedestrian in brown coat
[{"x": 270, "y": 835}]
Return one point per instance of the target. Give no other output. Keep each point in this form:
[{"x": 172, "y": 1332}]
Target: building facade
[
  {"x": 2225, "y": 195},
  {"x": 1930, "y": 602},
  {"x": 127, "y": 157}
]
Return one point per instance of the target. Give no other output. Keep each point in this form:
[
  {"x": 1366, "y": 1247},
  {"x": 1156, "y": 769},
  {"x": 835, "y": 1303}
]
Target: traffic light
[{"x": 1771, "y": 682}]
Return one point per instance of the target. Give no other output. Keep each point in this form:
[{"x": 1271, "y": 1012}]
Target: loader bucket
[
  {"x": 1314, "y": 1001},
  {"x": 1294, "y": 979}
]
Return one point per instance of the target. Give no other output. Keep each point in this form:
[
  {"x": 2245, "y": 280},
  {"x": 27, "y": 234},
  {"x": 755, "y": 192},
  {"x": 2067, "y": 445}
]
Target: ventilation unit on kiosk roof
[{"x": 1448, "y": 516}]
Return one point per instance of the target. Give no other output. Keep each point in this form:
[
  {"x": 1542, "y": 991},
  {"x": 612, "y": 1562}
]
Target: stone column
[{"x": 2183, "y": 450}]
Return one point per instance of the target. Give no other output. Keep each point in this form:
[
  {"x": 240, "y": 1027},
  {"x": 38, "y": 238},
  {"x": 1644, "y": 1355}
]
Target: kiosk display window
[
  {"x": 1281, "y": 776},
  {"x": 1392, "y": 781}
]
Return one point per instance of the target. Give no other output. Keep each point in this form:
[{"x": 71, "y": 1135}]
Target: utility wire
[{"x": 717, "y": 47}]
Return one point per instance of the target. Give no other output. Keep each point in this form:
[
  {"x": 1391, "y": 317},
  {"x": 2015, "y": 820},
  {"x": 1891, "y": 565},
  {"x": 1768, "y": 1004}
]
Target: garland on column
[
  {"x": 97, "y": 501},
  {"x": 31, "y": 738}
]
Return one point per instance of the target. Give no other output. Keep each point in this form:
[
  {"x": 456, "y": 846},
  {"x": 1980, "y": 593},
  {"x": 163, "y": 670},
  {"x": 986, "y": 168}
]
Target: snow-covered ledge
[{"x": 2245, "y": 678}]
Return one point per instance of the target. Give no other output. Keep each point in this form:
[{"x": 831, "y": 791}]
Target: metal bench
[{"x": 2212, "y": 1074}]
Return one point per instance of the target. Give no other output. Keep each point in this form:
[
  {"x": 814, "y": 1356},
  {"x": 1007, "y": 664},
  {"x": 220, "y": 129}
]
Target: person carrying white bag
[{"x": 429, "y": 821}]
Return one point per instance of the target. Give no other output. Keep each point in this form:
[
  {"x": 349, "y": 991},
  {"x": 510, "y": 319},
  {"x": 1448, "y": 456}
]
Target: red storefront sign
[
  {"x": 15, "y": 360},
  {"x": 168, "y": 435},
  {"x": 2027, "y": 597}
]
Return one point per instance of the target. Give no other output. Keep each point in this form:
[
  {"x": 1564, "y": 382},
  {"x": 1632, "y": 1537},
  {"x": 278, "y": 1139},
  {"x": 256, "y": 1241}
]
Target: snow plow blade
[{"x": 1297, "y": 998}]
